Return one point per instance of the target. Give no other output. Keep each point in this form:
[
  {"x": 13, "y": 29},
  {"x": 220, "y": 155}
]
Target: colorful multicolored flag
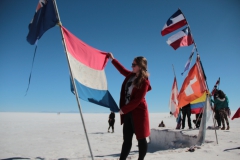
[
  {"x": 173, "y": 104},
  {"x": 87, "y": 66},
  {"x": 176, "y": 21},
  {"x": 198, "y": 104},
  {"x": 187, "y": 65},
  {"x": 180, "y": 39},
  {"x": 44, "y": 19}
]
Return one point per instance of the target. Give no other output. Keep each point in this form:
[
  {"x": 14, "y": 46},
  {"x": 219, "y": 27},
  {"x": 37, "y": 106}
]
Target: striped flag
[
  {"x": 87, "y": 66},
  {"x": 180, "y": 39},
  {"x": 187, "y": 65},
  {"x": 176, "y": 21},
  {"x": 198, "y": 104}
]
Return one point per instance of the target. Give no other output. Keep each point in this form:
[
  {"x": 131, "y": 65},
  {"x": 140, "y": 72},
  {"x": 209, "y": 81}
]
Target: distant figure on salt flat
[
  {"x": 133, "y": 106},
  {"x": 111, "y": 121},
  {"x": 186, "y": 111},
  {"x": 221, "y": 104},
  {"x": 161, "y": 124},
  {"x": 171, "y": 114}
]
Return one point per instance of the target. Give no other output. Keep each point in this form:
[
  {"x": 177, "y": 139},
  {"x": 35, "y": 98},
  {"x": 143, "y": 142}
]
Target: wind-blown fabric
[
  {"x": 87, "y": 66},
  {"x": 44, "y": 19},
  {"x": 180, "y": 39},
  {"x": 198, "y": 104},
  {"x": 173, "y": 104},
  {"x": 193, "y": 86},
  {"x": 176, "y": 21},
  {"x": 187, "y": 65},
  {"x": 237, "y": 114}
]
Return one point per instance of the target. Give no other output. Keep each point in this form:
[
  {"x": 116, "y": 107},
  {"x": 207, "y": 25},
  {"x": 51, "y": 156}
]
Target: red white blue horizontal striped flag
[
  {"x": 180, "y": 39},
  {"x": 87, "y": 66},
  {"x": 176, "y": 21}
]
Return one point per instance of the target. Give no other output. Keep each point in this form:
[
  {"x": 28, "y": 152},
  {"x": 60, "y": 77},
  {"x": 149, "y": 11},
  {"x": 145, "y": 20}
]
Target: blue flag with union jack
[{"x": 44, "y": 19}]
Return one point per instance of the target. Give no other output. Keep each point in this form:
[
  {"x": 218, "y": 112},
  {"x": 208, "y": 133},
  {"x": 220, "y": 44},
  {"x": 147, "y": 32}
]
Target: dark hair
[
  {"x": 143, "y": 74},
  {"x": 221, "y": 94}
]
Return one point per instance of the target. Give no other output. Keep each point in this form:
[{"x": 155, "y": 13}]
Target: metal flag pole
[
  {"x": 72, "y": 80},
  {"x": 174, "y": 71},
  {"x": 202, "y": 71}
]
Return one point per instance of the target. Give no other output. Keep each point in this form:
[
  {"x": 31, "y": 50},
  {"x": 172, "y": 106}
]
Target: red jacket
[{"x": 137, "y": 104}]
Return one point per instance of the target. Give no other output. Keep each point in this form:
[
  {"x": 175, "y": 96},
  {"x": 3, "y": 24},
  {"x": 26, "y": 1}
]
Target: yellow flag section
[{"x": 198, "y": 104}]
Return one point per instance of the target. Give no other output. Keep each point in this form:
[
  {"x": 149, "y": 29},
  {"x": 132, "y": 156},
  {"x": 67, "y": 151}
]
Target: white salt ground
[{"x": 53, "y": 136}]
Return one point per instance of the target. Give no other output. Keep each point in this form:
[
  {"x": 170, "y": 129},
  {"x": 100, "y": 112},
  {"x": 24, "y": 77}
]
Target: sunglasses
[{"x": 134, "y": 64}]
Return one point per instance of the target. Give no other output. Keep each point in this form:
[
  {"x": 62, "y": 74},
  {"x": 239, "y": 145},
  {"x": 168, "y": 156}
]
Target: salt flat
[{"x": 53, "y": 136}]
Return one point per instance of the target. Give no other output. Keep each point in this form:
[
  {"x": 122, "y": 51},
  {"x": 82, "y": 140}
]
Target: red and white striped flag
[
  {"x": 176, "y": 21},
  {"x": 180, "y": 39}
]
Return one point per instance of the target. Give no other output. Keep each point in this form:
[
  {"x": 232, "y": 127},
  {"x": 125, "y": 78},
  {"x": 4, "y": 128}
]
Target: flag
[
  {"x": 176, "y": 21},
  {"x": 237, "y": 114},
  {"x": 187, "y": 65},
  {"x": 44, "y": 19},
  {"x": 87, "y": 66},
  {"x": 215, "y": 86},
  {"x": 193, "y": 86},
  {"x": 180, "y": 39},
  {"x": 198, "y": 104},
  {"x": 173, "y": 104}
]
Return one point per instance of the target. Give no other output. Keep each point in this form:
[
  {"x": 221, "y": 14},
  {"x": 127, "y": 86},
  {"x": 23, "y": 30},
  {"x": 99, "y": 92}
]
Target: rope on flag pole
[
  {"x": 72, "y": 80},
  {"x": 29, "y": 79}
]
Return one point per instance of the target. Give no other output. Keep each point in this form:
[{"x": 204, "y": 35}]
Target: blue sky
[{"x": 125, "y": 28}]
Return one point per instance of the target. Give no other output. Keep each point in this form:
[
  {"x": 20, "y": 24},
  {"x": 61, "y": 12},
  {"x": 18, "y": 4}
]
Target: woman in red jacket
[{"x": 133, "y": 106}]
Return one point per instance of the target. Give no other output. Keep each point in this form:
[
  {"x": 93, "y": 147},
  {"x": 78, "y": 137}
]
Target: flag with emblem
[
  {"x": 44, "y": 19},
  {"x": 193, "y": 86},
  {"x": 176, "y": 21}
]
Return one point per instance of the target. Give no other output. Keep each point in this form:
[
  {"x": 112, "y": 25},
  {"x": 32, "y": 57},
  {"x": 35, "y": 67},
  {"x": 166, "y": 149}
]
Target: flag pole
[
  {"x": 190, "y": 31},
  {"x": 72, "y": 80},
  {"x": 198, "y": 56},
  {"x": 173, "y": 70}
]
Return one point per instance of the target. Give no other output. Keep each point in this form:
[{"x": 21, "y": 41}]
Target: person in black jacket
[
  {"x": 111, "y": 121},
  {"x": 186, "y": 111}
]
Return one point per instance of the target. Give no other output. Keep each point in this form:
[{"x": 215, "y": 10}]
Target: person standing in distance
[
  {"x": 133, "y": 106},
  {"x": 111, "y": 121}
]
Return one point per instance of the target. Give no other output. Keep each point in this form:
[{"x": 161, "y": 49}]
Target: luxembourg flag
[
  {"x": 180, "y": 39},
  {"x": 87, "y": 66},
  {"x": 175, "y": 22}
]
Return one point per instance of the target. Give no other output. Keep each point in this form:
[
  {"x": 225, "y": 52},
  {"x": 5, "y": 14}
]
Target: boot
[
  {"x": 223, "y": 128},
  {"x": 113, "y": 131},
  {"x": 228, "y": 127}
]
